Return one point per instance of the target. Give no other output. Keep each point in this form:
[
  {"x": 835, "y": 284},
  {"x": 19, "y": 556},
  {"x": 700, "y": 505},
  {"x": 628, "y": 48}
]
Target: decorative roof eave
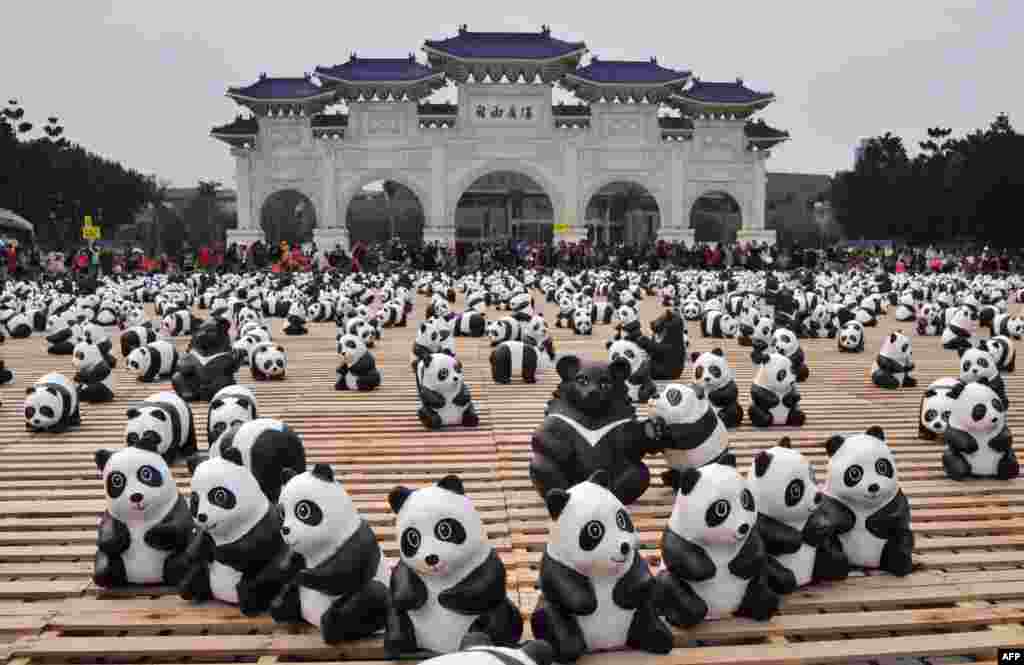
[
  {"x": 621, "y": 92},
  {"x": 235, "y": 140},
  {"x": 674, "y": 83},
  {"x": 390, "y": 90},
  {"x": 459, "y": 69},
  {"x": 766, "y": 142}
]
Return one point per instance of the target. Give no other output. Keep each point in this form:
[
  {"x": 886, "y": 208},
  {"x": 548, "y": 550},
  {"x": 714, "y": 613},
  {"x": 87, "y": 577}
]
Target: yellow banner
[
  {"x": 561, "y": 228},
  {"x": 91, "y": 232}
]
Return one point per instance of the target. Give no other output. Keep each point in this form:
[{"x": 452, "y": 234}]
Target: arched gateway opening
[
  {"x": 503, "y": 205},
  {"x": 623, "y": 212},
  {"x": 716, "y": 217},
  {"x": 288, "y": 215},
  {"x": 382, "y": 210}
]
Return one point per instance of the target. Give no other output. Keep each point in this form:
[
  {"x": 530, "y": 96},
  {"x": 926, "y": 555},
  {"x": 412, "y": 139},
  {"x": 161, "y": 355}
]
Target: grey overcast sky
[{"x": 143, "y": 81}]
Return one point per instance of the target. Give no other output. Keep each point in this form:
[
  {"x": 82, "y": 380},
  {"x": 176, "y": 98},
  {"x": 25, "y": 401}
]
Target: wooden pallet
[{"x": 965, "y": 601}]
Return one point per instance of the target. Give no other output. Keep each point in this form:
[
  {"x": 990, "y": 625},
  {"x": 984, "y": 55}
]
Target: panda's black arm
[
  {"x": 350, "y": 568},
  {"x": 1003, "y": 441},
  {"x": 636, "y": 587},
  {"x": 891, "y": 520},
  {"x": 553, "y": 441},
  {"x": 478, "y": 592},
  {"x": 724, "y": 396},
  {"x": 566, "y": 588},
  {"x": 791, "y": 399},
  {"x": 829, "y": 519},
  {"x": 104, "y": 346},
  {"x": 763, "y": 397},
  {"x": 463, "y": 398},
  {"x": 112, "y": 536},
  {"x": 960, "y": 441},
  {"x": 750, "y": 559},
  {"x": 778, "y": 538},
  {"x": 175, "y": 531},
  {"x": 96, "y": 373},
  {"x": 798, "y": 358},
  {"x": 407, "y": 590},
  {"x": 59, "y": 336},
  {"x": 684, "y": 559},
  {"x": 431, "y": 398},
  {"x": 888, "y": 365}
]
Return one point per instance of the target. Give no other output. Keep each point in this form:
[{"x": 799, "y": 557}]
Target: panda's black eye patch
[
  {"x": 193, "y": 504},
  {"x": 148, "y": 475},
  {"x": 115, "y": 484},
  {"x": 716, "y": 371},
  {"x": 717, "y": 513},
  {"x": 978, "y": 412},
  {"x": 674, "y": 397},
  {"x": 930, "y": 415},
  {"x": 623, "y": 521},
  {"x": 997, "y": 404},
  {"x": 781, "y": 376},
  {"x": 158, "y": 414},
  {"x": 853, "y": 475},
  {"x": 46, "y": 411},
  {"x": 747, "y": 500},
  {"x": 591, "y": 535},
  {"x": 442, "y": 374},
  {"x": 308, "y": 512},
  {"x": 410, "y": 542},
  {"x": 883, "y": 467},
  {"x": 906, "y": 347},
  {"x": 794, "y": 492},
  {"x": 450, "y": 530},
  {"x": 222, "y": 497}
]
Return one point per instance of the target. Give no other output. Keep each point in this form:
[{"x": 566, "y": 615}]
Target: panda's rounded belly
[
  {"x": 695, "y": 457},
  {"x": 862, "y": 548},
  {"x": 143, "y": 564},
  {"x": 451, "y": 414},
  {"x": 723, "y": 593},
  {"x": 224, "y": 582},
  {"x": 780, "y": 414},
  {"x": 801, "y": 563},
  {"x": 608, "y": 627},
  {"x": 438, "y": 628},
  {"x": 351, "y": 381},
  {"x": 984, "y": 461}
]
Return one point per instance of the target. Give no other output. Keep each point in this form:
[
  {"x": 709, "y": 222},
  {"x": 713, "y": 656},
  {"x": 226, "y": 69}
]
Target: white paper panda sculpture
[
  {"x": 230, "y": 407},
  {"x": 639, "y": 384},
  {"x": 714, "y": 564},
  {"x": 477, "y": 649},
  {"x": 449, "y": 580},
  {"x": 712, "y": 372},
  {"x": 597, "y": 590},
  {"x": 268, "y": 362},
  {"x": 978, "y": 439},
  {"x": 236, "y": 554},
  {"x": 163, "y": 423},
  {"x": 786, "y": 494},
  {"x": 147, "y": 526},
  {"x": 850, "y": 338},
  {"x": 864, "y": 505},
  {"x": 1002, "y": 351},
  {"x": 976, "y": 364},
  {"x": 135, "y": 337},
  {"x": 92, "y": 374},
  {"x": 686, "y": 427},
  {"x": 894, "y": 363},
  {"x": 51, "y": 405},
  {"x": 267, "y": 447},
  {"x": 774, "y": 396},
  {"x": 156, "y": 360},
  {"x": 936, "y": 406},
  {"x": 444, "y": 395},
  {"x": 358, "y": 369},
  {"x": 340, "y": 581},
  {"x": 785, "y": 342}
]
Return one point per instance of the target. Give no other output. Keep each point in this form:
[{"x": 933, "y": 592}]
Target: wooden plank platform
[{"x": 965, "y": 600}]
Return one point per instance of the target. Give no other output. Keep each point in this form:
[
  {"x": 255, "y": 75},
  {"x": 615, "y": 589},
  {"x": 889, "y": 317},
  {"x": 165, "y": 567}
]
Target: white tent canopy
[{"x": 11, "y": 220}]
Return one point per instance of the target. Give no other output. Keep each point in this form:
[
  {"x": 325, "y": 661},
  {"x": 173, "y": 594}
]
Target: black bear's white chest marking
[{"x": 591, "y": 436}]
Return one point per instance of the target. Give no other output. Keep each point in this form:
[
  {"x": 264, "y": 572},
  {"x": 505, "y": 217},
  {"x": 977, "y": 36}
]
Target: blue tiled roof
[
  {"x": 509, "y": 45},
  {"x": 377, "y": 69},
  {"x": 712, "y": 92},
  {"x": 279, "y": 88},
  {"x": 628, "y": 71}
]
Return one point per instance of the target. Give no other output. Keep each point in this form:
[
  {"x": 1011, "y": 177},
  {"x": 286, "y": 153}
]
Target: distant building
[{"x": 790, "y": 208}]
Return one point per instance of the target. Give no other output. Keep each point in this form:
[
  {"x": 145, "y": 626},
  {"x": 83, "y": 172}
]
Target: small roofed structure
[
  {"x": 400, "y": 79},
  {"x": 718, "y": 98},
  {"x": 269, "y": 96},
  {"x": 512, "y": 56},
  {"x": 625, "y": 81}
]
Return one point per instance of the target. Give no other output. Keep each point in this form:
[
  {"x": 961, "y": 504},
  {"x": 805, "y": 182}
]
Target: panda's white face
[
  {"x": 168, "y": 326},
  {"x": 226, "y": 500},
  {"x": 442, "y": 373},
  {"x": 566, "y": 305},
  {"x": 936, "y": 405},
  {"x": 318, "y": 516},
  {"x": 764, "y": 330},
  {"x": 427, "y": 335},
  {"x": 440, "y": 533},
  {"x": 626, "y": 314},
  {"x": 86, "y": 355},
  {"x": 351, "y": 348},
  {"x": 43, "y": 407},
  {"x": 582, "y": 322},
  {"x": 1015, "y": 327},
  {"x": 850, "y": 337},
  {"x": 999, "y": 348},
  {"x": 226, "y": 412},
  {"x": 784, "y": 341},
  {"x": 712, "y": 371},
  {"x": 965, "y": 318},
  {"x": 897, "y": 347},
  {"x": 718, "y": 511},
  {"x": 748, "y": 317},
  {"x": 297, "y": 310},
  {"x": 535, "y": 331},
  {"x": 494, "y": 332},
  {"x": 139, "y": 360},
  {"x": 862, "y": 472},
  {"x": 776, "y": 374},
  {"x": 691, "y": 310},
  {"x": 624, "y": 349},
  {"x": 680, "y": 404},
  {"x": 150, "y": 426},
  {"x": 594, "y": 534},
  {"x": 728, "y": 325},
  {"x": 784, "y": 485},
  {"x": 270, "y": 359},
  {"x": 139, "y": 485},
  {"x": 978, "y": 409},
  {"x": 441, "y": 308},
  {"x": 977, "y": 364}
]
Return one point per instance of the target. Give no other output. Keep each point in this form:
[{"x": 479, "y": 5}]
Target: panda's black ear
[
  {"x": 556, "y": 501},
  {"x": 892, "y": 338},
  {"x": 324, "y": 472},
  {"x": 600, "y": 477},
  {"x": 761, "y": 462},
  {"x": 728, "y": 459},
  {"x": 931, "y": 392},
  {"x": 956, "y": 390},
  {"x": 102, "y": 456},
  {"x": 287, "y": 473},
  {"x": 694, "y": 356},
  {"x": 785, "y": 442},
  {"x": 452, "y": 483},
  {"x": 539, "y": 651},
  {"x": 193, "y": 462},
  {"x": 834, "y": 443},
  {"x": 718, "y": 352},
  {"x": 567, "y": 367},
  {"x": 30, "y": 390},
  {"x": 960, "y": 352},
  {"x": 684, "y": 481},
  {"x": 876, "y": 432},
  {"x": 232, "y": 454}
]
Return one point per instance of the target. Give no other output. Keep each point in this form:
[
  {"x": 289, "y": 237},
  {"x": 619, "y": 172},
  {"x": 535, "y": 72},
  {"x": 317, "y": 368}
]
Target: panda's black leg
[
  {"x": 630, "y": 485},
  {"x": 897, "y": 555},
  {"x": 195, "y": 585},
  {"x": 796, "y": 418},
  {"x": 759, "y": 602},
  {"x": 758, "y": 416},
  {"x": 6, "y": 375},
  {"x": 470, "y": 417},
  {"x": 399, "y": 636},
  {"x": 731, "y": 415},
  {"x": 648, "y": 632},
  {"x": 503, "y": 624},
  {"x": 360, "y": 615},
  {"x": 546, "y": 475},
  {"x": 677, "y": 602},
  {"x": 95, "y": 393},
  {"x": 830, "y": 562},
  {"x": 430, "y": 419},
  {"x": 109, "y": 570},
  {"x": 884, "y": 379},
  {"x": 909, "y": 381},
  {"x": 1008, "y": 466},
  {"x": 956, "y": 465},
  {"x": 560, "y": 631},
  {"x": 175, "y": 568}
]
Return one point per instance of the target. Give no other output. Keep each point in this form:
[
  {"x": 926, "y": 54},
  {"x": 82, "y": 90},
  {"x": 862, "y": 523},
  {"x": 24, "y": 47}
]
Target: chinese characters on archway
[{"x": 510, "y": 112}]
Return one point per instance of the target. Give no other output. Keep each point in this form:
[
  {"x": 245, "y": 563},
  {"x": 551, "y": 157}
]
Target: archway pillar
[
  {"x": 437, "y": 227},
  {"x": 248, "y": 230},
  {"x": 754, "y": 217}
]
